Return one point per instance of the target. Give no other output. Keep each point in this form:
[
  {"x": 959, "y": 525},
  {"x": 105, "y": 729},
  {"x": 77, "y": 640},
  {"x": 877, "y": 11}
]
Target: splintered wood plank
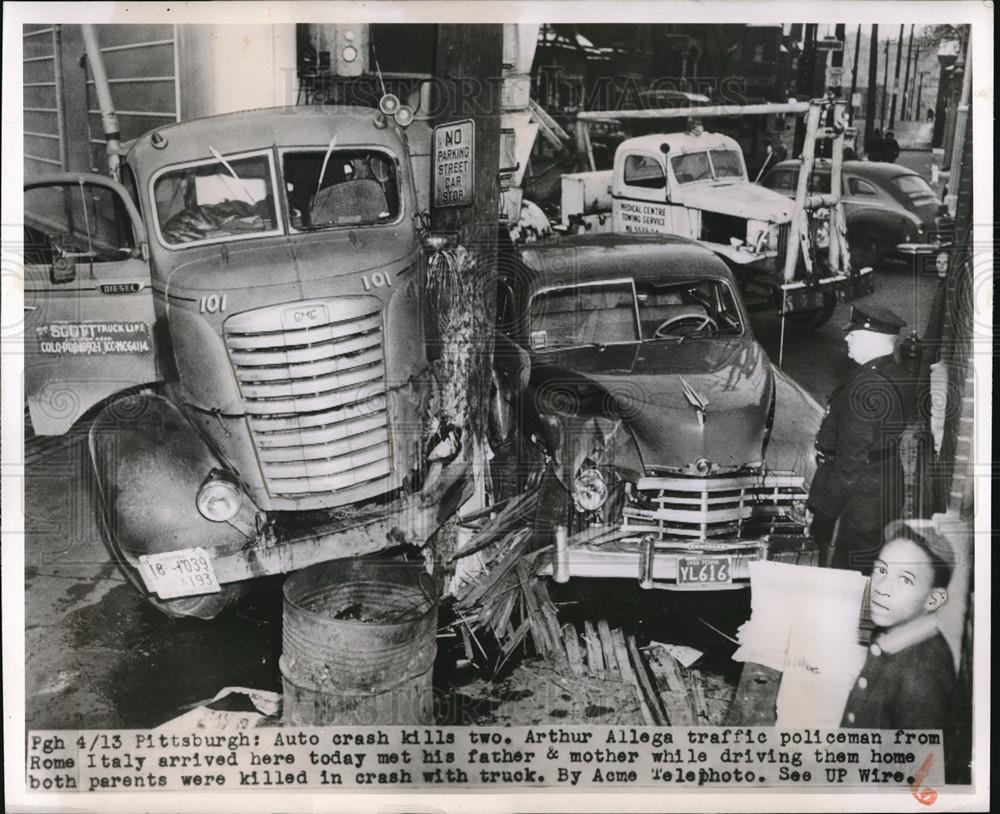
[
  {"x": 595, "y": 656},
  {"x": 573, "y": 651},
  {"x": 550, "y": 616},
  {"x": 755, "y": 698},
  {"x": 608, "y": 647},
  {"x": 652, "y": 697},
  {"x": 621, "y": 654}
]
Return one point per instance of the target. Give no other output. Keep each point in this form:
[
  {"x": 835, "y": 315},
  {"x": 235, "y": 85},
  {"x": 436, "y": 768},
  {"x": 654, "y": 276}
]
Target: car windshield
[
  {"x": 622, "y": 311},
  {"x": 914, "y": 190},
  {"x": 688, "y": 308},
  {"x": 357, "y": 188},
  {"x": 712, "y": 165},
  {"x": 219, "y": 199}
]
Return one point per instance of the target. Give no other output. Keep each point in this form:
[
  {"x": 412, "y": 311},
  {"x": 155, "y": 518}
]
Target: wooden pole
[
  {"x": 895, "y": 81},
  {"x": 906, "y": 78},
  {"x": 854, "y": 77},
  {"x": 885, "y": 86},
  {"x": 468, "y": 66},
  {"x": 872, "y": 82}
]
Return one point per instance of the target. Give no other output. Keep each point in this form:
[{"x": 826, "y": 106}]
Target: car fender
[{"x": 149, "y": 463}]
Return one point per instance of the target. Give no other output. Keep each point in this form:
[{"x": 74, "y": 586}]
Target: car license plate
[
  {"x": 187, "y": 572},
  {"x": 704, "y": 571}
]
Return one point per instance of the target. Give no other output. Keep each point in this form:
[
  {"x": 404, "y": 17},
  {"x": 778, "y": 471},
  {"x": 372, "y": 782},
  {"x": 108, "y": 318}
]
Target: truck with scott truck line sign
[
  {"x": 241, "y": 318},
  {"x": 790, "y": 254}
]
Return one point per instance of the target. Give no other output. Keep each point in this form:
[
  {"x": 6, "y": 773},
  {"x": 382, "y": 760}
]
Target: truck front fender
[{"x": 149, "y": 463}]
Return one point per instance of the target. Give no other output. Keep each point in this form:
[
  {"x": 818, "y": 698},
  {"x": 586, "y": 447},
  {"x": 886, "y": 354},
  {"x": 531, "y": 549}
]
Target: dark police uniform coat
[
  {"x": 908, "y": 681},
  {"x": 860, "y": 478}
]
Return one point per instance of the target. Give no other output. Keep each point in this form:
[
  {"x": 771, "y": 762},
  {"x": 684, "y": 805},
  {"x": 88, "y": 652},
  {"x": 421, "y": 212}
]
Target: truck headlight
[
  {"x": 590, "y": 490},
  {"x": 219, "y": 497}
]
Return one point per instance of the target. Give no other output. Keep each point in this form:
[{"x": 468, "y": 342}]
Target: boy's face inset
[{"x": 903, "y": 584}]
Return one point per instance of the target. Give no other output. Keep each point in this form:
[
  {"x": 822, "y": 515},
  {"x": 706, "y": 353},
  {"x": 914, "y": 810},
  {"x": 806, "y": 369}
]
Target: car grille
[
  {"x": 720, "y": 507},
  {"x": 312, "y": 377}
]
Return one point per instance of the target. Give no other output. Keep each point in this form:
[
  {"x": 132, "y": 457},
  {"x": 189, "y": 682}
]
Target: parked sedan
[
  {"x": 628, "y": 365},
  {"x": 892, "y": 212}
]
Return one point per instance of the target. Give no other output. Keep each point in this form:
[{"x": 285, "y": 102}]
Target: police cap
[{"x": 875, "y": 318}]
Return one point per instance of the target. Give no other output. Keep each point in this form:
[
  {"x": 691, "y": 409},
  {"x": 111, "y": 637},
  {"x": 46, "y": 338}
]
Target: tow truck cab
[{"x": 239, "y": 316}]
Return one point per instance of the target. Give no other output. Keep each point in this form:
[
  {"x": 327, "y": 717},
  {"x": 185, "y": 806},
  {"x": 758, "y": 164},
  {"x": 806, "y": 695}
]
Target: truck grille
[
  {"x": 312, "y": 377},
  {"x": 706, "y": 508}
]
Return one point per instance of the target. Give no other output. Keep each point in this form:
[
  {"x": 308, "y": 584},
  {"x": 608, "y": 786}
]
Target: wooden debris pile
[{"x": 691, "y": 697}]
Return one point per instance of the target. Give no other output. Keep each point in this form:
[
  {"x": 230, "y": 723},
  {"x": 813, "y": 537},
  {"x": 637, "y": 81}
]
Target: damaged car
[{"x": 627, "y": 365}]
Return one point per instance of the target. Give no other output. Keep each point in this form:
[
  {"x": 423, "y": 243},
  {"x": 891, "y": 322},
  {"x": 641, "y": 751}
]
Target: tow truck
[{"x": 789, "y": 254}]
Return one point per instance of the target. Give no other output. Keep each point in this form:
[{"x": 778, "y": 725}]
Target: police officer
[{"x": 859, "y": 479}]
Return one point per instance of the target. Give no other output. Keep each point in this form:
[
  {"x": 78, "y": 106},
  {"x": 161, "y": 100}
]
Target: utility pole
[
  {"x": 906, "y": 79},
  {"x": 854, "y": 76},
  {"x": 895, "y": 81},
  {"x": 920, "y": 90},
  {"x": 467, "y": 71},
  {"x": 885, "y": 86},
  {"x": 872, "y": 83}
]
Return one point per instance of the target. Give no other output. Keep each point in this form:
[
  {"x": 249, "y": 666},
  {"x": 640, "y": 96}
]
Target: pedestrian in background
[
  {"x": 873, "y": 145},
  {"x": 859, "y": 479},
  {"x": 890, "y": 148}
]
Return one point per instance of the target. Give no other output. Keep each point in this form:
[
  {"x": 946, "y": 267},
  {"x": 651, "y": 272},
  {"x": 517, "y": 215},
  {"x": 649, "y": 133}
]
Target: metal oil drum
[{"x": 358, "y": 644}]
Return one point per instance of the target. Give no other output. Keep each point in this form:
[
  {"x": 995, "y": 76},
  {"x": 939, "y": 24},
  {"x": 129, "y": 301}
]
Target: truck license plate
[
  {"x": 704, "y": 571},
  {"x": 187, "y": 572}
]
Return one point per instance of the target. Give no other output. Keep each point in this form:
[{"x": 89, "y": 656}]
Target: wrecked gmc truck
[
  {"x": 241, "y": 320},
  {"x": 628, "y": 365},
  {"x": 695, "y": 184}
]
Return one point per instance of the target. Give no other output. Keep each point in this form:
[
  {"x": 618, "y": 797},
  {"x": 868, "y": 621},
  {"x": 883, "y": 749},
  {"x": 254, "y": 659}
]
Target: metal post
[
  {"x": 920, "y": 90},
  {"x": 109, "y": 118},
  {"x": 895, "y": 81},
  {"x": 906, "y": 79},
  {"x": 808, "y": 156},
  {"x": 836, "y": 185}
]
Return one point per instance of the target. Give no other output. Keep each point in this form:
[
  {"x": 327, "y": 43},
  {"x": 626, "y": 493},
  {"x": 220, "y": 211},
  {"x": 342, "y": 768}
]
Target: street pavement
[{"x": 97, "y": 656}]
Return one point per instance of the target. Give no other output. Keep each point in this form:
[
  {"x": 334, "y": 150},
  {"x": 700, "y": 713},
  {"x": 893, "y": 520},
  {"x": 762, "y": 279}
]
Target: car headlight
[
  {"x": 219, "y": 497},
  {"x": 590, "y": 490}
]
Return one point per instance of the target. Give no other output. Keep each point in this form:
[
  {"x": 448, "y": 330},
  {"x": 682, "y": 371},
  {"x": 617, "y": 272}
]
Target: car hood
[
  {"x": 656, "y": 389},
  {"x": 739, "y": 200}
]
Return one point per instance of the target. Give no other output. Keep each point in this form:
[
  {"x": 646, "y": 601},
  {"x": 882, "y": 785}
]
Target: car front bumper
[{"x": 606, "y": 553}]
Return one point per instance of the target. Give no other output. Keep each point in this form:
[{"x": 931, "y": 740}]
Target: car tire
[
  {"x": 866, "y": 251},
  {"x": 807, "y": 321}
]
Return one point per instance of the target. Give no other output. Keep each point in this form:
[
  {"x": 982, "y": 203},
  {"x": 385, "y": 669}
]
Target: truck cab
[
  {"x": 695, "y": 184},
  {"x": 242, "y": 319}
]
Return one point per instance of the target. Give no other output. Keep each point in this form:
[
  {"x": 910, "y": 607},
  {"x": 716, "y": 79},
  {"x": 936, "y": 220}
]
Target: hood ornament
[{"x": 696, "y": 400}]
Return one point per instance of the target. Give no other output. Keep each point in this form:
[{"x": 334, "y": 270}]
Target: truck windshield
[
  {"x": 707, "y": 166},
  {"x": 358, "y": 188},
  {"x": 223, "y": 198}
]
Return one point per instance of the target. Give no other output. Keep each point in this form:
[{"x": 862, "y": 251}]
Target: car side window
[
  {"x": 858, "y": 187},
  {"x": 83, "y": 221},
  {"x": 644, "y": 171}
]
